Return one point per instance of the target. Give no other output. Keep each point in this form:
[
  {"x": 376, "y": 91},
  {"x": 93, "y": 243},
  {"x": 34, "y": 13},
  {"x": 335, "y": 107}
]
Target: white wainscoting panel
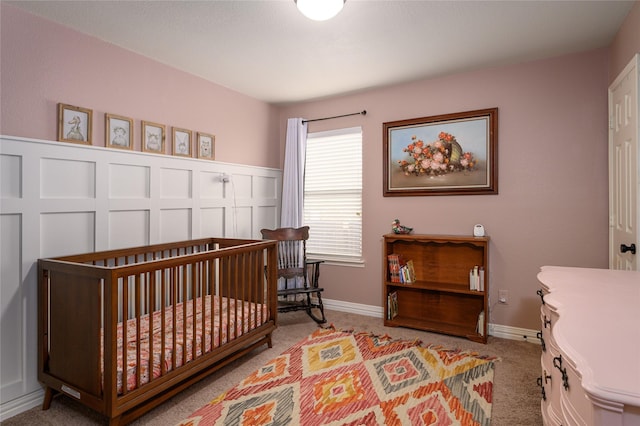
[
  {"x": 175, "y": 225},
  {"x": 128, "y": 228},
  {"x": 60, "y": 198},
  {"x": 63, "y": 233},
  {"x": 128, "y": 181},
  {"x": 212, "y": 221},
  {"x": 10, "y": 167},
  {"x": 12, "y": 324},
  {"x": 242, "y": 221},
  {"x": 73, "y": 179},
  {"x": 208, "y": 187},
  {"x": 175, "y": 183}
]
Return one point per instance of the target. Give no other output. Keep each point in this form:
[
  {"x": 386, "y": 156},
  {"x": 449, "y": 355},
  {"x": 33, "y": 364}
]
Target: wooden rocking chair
[{"x": 297, "y": 287}]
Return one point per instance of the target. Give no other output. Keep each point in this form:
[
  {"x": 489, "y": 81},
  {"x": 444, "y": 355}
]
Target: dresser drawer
[
  {"x": 576, "y": 407},
  {"x": 553, "y": 387}
]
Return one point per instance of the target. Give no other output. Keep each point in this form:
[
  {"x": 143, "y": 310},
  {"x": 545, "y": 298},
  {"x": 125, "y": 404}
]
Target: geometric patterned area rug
[{"x": 337, "y": 377}]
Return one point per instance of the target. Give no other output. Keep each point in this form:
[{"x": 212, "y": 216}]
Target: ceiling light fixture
[{"x": 320, "y": 10}]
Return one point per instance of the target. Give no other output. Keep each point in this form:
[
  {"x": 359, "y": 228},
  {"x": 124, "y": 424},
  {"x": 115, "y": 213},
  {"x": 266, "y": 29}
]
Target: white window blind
[{"x": 333, "y": 195}]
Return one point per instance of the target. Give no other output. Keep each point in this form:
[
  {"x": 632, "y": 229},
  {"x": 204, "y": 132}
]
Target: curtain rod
[{"x": 363, "y": 112}]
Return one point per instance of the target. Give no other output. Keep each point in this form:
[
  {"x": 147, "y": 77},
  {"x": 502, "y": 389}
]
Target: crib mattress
[{"x": 230, "y": 320}]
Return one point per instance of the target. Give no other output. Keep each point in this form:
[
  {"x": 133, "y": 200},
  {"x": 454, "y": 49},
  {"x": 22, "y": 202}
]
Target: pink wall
[
  {"x": 44, "y": 63},
  {"x": 552, "y": 205},
  {"x": 626, "y": 44},
  {"x": 552, "y": 202}
]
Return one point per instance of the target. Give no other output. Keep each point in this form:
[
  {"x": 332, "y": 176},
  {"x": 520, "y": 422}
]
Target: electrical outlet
[{"x": 503, "y": 296}]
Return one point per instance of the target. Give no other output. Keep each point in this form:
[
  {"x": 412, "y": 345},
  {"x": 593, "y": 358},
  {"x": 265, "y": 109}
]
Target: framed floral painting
[{"x": 451, "y": 154}]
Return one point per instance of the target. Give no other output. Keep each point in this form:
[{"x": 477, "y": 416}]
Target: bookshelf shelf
[
  {"x": 441, "y": 298},
  {"x": 429, "y": 285}
]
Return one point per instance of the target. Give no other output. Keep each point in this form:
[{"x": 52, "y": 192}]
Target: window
[{"x": 333, "y": 195}]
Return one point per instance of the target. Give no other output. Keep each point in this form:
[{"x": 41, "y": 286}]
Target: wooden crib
[{"x": 185, "y": 309}]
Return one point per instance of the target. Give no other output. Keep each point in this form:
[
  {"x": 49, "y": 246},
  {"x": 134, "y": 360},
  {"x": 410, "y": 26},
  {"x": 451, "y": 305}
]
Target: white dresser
[{"x": 590, "y": 339}]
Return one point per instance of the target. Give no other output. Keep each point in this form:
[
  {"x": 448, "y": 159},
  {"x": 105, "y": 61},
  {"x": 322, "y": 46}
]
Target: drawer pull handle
[
  {"x": 631, "y": 248},
  {"x": 544, "y": 394},
  {"x": 544, "y": 346},
  {"x": 539, "y": 293},
  {"x": 558, "y": 365},
  {"x": 547, "y": 321}
]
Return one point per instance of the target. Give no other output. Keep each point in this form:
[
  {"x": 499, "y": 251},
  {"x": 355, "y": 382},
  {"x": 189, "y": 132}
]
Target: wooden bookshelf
[{"x": 440, "y": 299}]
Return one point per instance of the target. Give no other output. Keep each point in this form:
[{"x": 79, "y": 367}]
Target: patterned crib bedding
[{"x": 233, "y": 319}]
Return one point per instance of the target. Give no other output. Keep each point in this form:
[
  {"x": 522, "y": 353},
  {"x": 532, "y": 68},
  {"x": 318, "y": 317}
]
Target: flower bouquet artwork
[
  {"x": 454, "y": 154},
  {"x": 444, "y": 155}
]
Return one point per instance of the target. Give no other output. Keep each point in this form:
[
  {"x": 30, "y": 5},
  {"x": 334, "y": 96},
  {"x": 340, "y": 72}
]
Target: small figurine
[{"x": 400, "y": 229}]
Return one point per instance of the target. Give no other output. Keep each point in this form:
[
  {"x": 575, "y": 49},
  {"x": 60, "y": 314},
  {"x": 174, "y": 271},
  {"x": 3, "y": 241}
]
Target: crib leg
[
  {"x": 269, "y": 342},
  {"x": 48, "y": 397},
  {"x": 115, "y": 421}
]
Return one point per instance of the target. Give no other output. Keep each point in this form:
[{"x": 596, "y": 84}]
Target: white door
[{"x": 624, "y": 169}]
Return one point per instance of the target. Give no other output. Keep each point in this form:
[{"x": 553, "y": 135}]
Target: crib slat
[
  {"x": 138, "y": 336},
  {"x": 250, "y": 298},
  {"x": 125, "y": 331},
  {"x": 194, "y": 310},
  {"x": 150, "y": 310},
  {"x": 174, "y": 317},
  {"x": 203, "y": 297},
  {"x": 183, "y": 299},
  {"x": 163, "y": 321},
  {"x": 227, "y": 280},
  {"x": 212, "y": 292}
]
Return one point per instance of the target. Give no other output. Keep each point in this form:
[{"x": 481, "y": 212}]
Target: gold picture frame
[
  {"x": 206, "y": 145},
  {"x": 118, "y": 131},
  {"x": 153, "y": 137},
  {"x": 74, "y": 124},
  {"x": 182, "y": 142}
]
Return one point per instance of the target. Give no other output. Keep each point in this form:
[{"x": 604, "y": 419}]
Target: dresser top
[{"x": 598, "y": 327}]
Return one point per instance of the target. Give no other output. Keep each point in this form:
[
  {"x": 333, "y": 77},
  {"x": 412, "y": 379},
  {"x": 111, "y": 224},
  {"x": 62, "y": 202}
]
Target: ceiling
[{"x": 266, "y": 49}]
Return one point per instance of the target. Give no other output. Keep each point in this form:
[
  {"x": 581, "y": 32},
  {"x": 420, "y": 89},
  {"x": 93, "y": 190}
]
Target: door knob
[{"x": 631, "y": 248}]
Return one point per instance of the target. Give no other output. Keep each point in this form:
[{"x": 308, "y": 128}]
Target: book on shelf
[
  {"x": 480, "y": 326},
  {"x": 407, "y": 273},
  {"x": 401, "y": 271},
  {"x": 476, "y": 278},
  {"x": 392, "y": 305},
  {"x": 394, "y": 267}
]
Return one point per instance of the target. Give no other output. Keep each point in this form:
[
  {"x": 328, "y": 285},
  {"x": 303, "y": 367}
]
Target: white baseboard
[
  {"x": 514, "y": 333},
  {"x": 496, "y": 330},
  {"x": 21, "y": 404},
  {"x": 353, "y": 308}
]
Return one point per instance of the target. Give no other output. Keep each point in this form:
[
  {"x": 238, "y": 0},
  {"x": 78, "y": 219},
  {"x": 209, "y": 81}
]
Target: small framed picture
[
  {"x": 118, "y": 131},
  {"x": 206, "y": 146},
  {"x": 182, "y": 142},
  {"x": 153, "y": 137},
  {"x": 74, "y": 124}
]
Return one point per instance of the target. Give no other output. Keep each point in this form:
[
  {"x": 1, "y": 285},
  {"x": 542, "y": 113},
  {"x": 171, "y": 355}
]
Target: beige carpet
[{"x": 516, "y": 397}]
